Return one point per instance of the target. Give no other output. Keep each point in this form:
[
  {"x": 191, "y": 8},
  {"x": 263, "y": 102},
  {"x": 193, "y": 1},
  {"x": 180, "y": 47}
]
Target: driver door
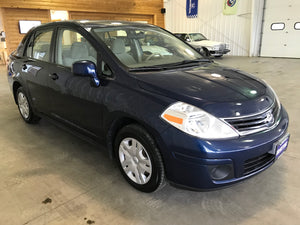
[{"x": 75, "y": 101}]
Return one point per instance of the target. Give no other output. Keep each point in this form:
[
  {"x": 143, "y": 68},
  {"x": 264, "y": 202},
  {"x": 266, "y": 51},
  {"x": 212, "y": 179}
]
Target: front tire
[
  {"x": 139, "y": 159},
  {"x": 25, "y": 108}
]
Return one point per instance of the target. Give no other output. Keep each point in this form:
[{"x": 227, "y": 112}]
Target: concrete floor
[{"x": 48, "y": 176}]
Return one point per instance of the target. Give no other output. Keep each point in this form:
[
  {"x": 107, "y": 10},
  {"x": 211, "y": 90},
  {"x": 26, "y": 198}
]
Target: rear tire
[
  {"x": 25, "y": 108},
  {"x": 139, "y": 159}
]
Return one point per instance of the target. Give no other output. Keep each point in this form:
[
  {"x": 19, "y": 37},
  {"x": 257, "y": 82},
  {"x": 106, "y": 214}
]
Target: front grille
[
  {"x": 222, "y": 47},
  {"x": 257, "y": 163},
  {"x": 252, "y": 124}
]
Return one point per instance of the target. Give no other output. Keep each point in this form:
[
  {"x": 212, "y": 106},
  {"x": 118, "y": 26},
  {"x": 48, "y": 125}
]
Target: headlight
[
  {"x": 197, "y": 122},
  {"x": 216, "y": 47}
]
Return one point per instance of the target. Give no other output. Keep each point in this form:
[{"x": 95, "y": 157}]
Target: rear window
[
  {"x": 38, "y": 46},
  {"x": 21, "y": 46},
  {"x": 41, "y": 46}
]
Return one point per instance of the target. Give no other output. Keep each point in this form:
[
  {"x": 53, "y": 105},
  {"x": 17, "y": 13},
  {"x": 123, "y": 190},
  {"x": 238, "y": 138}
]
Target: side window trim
[{"x": 28, "y": 43}]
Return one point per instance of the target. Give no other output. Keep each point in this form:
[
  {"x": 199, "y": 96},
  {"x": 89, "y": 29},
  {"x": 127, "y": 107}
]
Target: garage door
[
  {"x": 111, "y": 16},
  {"x": 281, "y": 29}
]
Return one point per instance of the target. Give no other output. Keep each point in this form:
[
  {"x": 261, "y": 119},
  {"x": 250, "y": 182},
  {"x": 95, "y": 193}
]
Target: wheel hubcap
[
  {"x": 23, "y": 105},
  {"x": 135, "y": 160}
]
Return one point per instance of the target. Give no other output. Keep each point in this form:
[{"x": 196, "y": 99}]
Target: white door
[{"x": 281, "y": 29}]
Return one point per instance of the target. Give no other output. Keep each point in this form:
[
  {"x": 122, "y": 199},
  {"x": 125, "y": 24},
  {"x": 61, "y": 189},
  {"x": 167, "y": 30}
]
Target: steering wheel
[{"x": 153, "y": 55}]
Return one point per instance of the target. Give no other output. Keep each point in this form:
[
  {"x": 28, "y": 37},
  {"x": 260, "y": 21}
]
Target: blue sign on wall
[{"x": 191, "y": 8}]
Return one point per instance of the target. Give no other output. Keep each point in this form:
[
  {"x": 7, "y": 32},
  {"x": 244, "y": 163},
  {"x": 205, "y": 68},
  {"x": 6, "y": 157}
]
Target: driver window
[{"x": 73, "y": 47}]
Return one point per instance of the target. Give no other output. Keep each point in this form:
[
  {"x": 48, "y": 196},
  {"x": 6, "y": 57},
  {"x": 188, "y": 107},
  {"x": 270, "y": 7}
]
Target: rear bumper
[{"x": 191, "y": 162}]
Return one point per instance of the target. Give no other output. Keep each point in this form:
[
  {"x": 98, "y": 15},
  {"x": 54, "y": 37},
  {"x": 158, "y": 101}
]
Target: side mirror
[
  {"x": 86, "y": 68},
  {"x": 204, "y": 51},
  {"x": 187, "y": 39},
  {"x": 106, "y": 71}
]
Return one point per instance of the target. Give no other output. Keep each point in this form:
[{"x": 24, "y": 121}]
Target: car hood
[
  {"x": 221, "y": 91},
  {"x": 206, "y": 43}
]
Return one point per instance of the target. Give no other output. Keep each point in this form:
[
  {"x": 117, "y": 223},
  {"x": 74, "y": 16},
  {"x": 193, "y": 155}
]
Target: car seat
[
  {"x": 79, "y": 51},
  {"x": 118, "y": 48}
]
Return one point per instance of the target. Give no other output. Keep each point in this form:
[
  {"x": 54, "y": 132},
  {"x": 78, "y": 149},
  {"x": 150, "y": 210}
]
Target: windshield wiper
[
  {"x": 169, "y": 65},
  {"x": 190, "y": 62},
  {"x": 147, "y": 68},
  {"x": 194, "y": 61}
]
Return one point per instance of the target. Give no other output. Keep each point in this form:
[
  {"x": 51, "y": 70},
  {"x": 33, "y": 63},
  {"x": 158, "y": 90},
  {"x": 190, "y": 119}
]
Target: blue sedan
[{"x": 164, "y": 111}]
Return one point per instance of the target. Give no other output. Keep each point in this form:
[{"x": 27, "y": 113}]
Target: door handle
[{"x": 53, "y": 76}]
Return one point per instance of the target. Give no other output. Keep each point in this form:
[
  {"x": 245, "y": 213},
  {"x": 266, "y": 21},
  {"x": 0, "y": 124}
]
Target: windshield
[
  {"x": 138, "y": 47},
  {"x": 198, "y": 37}
]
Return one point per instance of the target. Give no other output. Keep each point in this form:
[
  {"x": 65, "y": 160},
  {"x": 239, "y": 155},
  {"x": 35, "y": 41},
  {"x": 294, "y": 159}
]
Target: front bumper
[
  {"x": 219, "y": 52},
  {"x": 189, "y": 160}
]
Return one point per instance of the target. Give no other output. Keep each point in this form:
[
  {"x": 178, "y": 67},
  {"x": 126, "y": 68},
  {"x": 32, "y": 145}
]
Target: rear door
[{"x": 35, "y": 68}]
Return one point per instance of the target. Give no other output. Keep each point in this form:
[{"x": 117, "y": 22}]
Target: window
[
  {"x": 198, "y": 37},
  {"x": 72, "y": 47},
  {"x": 145, "y": 46},
  {"x": 297, "y": 26},
  {"x": 38, "y": 46},
  {"x": 109, "y": 38},
  {"x": 181, "y": 36},
  {"x": 41, "y": 46},
  {"x": 277, "y": 26}
]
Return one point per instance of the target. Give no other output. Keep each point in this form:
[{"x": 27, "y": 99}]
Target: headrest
[
  {"x": 79, "y": 50},
  {"x": 118, "y": 46}
]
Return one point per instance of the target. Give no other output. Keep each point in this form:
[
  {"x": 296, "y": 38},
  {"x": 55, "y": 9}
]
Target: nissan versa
[{"x": 164, "y": 111}]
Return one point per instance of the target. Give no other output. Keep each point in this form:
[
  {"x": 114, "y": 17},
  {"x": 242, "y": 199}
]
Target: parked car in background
[
  {"x": 198, "y": 40},
  {"x": 163, "y": 110}
]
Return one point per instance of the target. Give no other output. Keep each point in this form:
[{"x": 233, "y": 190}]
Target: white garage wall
[
  {"x": 232, "y": 29},
  {"x": 256, "y": 26},
  {"x": 282, "y": 42}
]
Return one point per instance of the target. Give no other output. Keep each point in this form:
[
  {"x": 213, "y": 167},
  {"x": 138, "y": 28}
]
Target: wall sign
[
  {"x": 26, "y": 25},
  {"x": 230, "y": 7},
  {"x": 191, "y": 8}
]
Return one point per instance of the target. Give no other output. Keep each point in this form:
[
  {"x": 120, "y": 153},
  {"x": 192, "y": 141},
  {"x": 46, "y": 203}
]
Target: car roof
[
  {"x": 97, "y": 23},
  {"x": 190, "y": 33}
]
